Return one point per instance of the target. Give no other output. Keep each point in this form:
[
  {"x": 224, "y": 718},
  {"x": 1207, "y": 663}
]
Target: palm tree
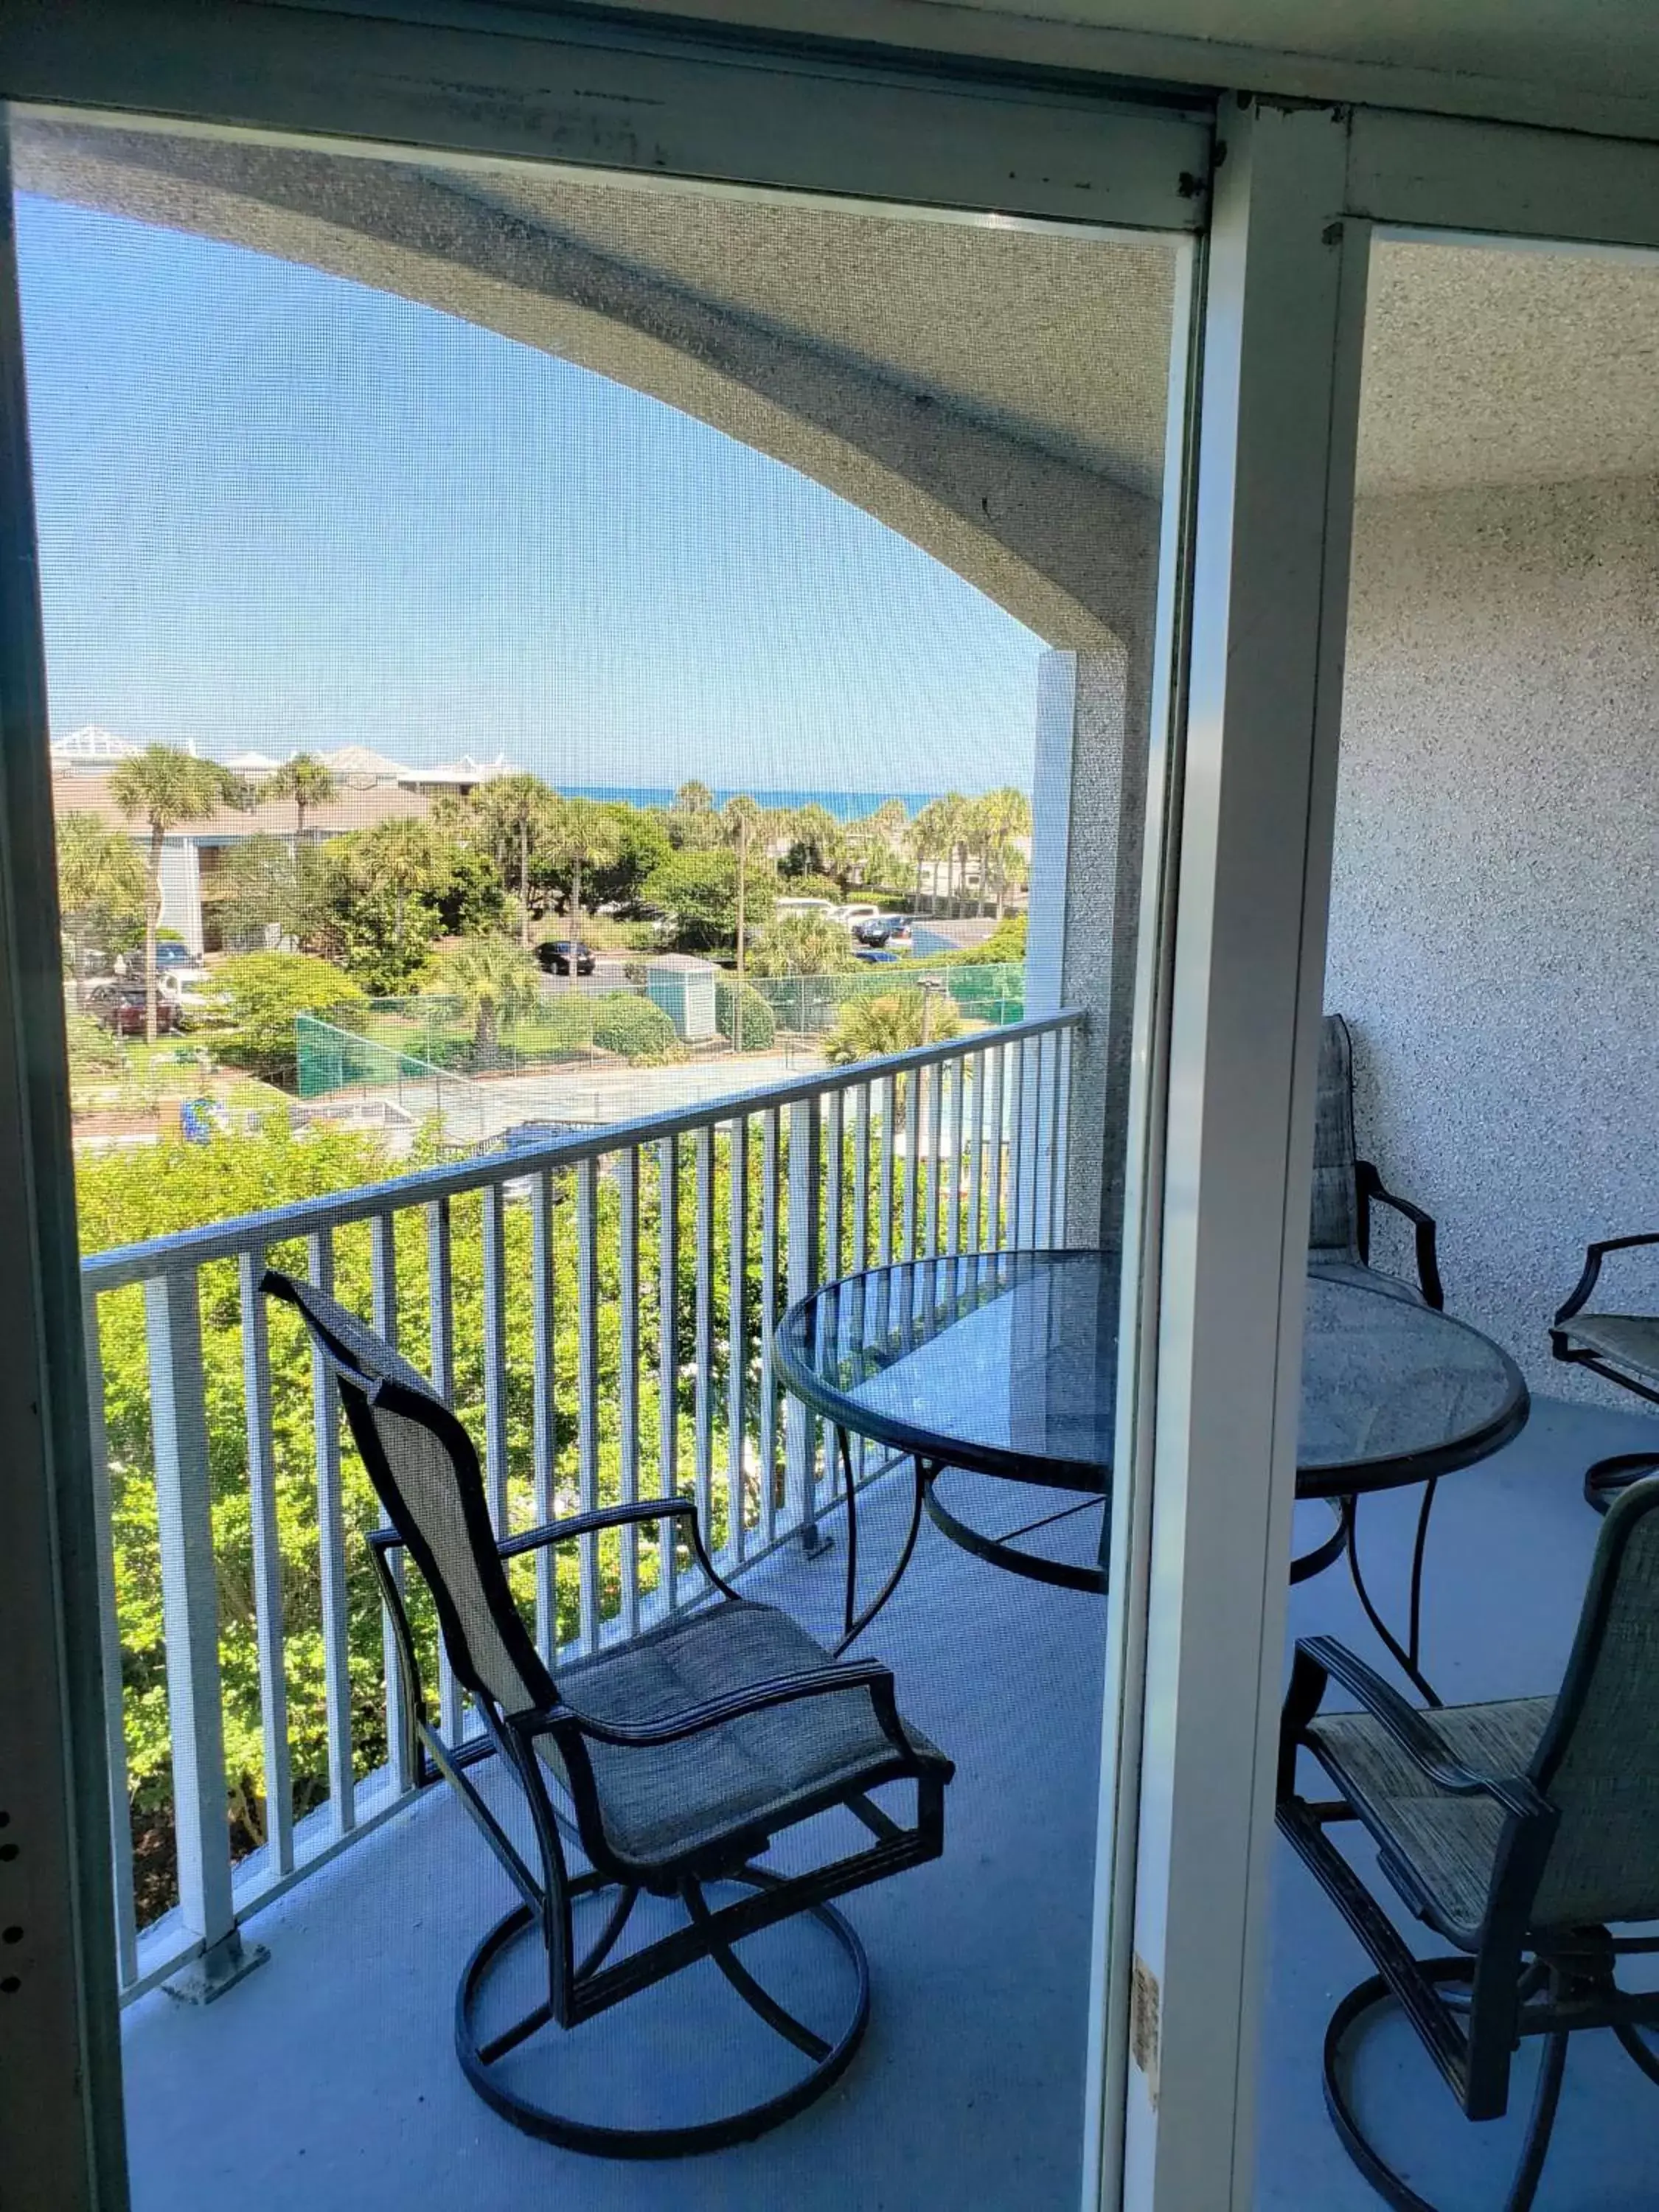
[
  {"x": 164, "y": 788},
  {"x": 894, "y": 1021},
  {"x": 1003, "y": 815},
  {"x": 307, "y": 782},
  {"x": 803, "y": 945},
  {"x": 402, "y": 857},
  {"x": 516, "y": 812},
  {"x": 579, "y": 835},
  {"x": 495, "y": 983},
  {"x": 744, "y": 821},
  {"x": 693, "y": 798},
  {"x": 929, "y": 836},
  {"x": 100, "y": 884}
]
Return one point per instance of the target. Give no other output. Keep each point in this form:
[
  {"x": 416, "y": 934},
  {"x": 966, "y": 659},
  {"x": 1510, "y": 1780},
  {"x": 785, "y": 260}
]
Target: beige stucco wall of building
[{"x": 1495, "y": 917}]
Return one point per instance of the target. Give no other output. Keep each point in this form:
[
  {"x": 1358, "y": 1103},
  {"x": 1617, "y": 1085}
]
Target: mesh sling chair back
[
  {"x": 1622, "y": 1348},
  {"x": 1521, "y": 1831},
  {"x": 667, "y": 1764},
  {"x": 1347, "y": 1188}
]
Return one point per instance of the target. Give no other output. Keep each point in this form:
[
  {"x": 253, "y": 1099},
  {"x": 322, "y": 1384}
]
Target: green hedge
[
  {"x": 634, "y": 1027},
  {"x": 758, "y": 1028}
]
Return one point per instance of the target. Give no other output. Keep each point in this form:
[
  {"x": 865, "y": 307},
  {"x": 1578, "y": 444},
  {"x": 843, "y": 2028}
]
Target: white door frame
[{"x": 1299, "y": 196}]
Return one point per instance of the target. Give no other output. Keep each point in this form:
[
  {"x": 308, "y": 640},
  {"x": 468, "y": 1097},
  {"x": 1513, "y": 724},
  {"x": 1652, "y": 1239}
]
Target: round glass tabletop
[{"x": 1006, "y": 1364}]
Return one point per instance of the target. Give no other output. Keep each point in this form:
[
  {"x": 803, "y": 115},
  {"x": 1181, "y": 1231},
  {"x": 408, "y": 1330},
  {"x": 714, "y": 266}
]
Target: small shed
[{"x": 685, "y": 988}]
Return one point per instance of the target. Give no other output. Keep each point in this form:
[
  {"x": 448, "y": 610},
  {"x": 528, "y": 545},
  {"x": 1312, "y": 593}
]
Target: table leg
[
  {"x": 855, "y": 1622},
  {"x": 1405, "y": 1655}
]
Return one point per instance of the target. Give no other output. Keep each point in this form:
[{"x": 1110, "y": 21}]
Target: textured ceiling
[{"x": 1060, "y": 341}]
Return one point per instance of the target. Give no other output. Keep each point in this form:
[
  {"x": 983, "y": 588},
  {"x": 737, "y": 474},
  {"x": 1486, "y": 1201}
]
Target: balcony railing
[{"x": 678, "y": 1239}]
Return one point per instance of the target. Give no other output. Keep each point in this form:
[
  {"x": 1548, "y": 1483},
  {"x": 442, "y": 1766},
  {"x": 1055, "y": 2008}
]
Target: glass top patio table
[{"x": 1007, "y": 1363}]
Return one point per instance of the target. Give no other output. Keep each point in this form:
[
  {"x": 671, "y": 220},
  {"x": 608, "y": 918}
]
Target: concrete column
[{"x": 1088, "y": 806}]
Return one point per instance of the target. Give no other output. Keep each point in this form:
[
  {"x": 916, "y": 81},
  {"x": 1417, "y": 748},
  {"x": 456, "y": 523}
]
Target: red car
[{"x": 125, "y": 1013}]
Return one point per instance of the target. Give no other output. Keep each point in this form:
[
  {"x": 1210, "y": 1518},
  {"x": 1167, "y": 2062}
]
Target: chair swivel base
[
  {"x": 1610, "y": 1478},
  {"x": 600, "y": 2140},
  {"x": 1373, "y": 1996}
]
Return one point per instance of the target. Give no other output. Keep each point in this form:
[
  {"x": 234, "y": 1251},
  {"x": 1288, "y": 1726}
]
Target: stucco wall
[{"x": 1493, "y": 936}]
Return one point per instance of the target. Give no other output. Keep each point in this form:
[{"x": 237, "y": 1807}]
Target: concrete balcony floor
[{"x": 327, "y": 2079}]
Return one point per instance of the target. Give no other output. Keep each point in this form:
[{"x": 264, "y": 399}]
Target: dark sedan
[
  {"x": 883, "y": 931},
  {"x": 560, "y": 957}
]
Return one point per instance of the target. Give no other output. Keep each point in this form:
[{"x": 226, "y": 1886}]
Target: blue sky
[{"x": 278, "y": 509}]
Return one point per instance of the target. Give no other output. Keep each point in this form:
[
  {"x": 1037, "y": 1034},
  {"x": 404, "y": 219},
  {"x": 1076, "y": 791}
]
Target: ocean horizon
[{"x": 845, "y": 805}]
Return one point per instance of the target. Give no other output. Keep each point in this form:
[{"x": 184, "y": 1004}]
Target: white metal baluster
[
  {"x": 861, "y": 1180},
  {"x": 889, "y": 1169},
  {"x": 494, "y": 1353},
  {"x": 440, "y": 1281},
  {"x": 587, "y": 1394},
  {"x": 703, "y": 1259},
  {"x": 770, "y": 1134},
  {"x": 330, "y": 1538},
  {"x": 911, "y": 1087},
  {"x": 190, "y": 1613},
  {"x": 800, "y": 1430},
  {"x": 953, "y": 1185},
  {"x": 976, "y": 1156},
  {"x": 1063, "y": 1134},
  {"x": 267, "y": 1564},
  {"x": 400, "y": 1753},
  {"x": 736, "y": 1372},
  {"x": 668, "y": 1351},
  {"x": 628, "y": 1379},
  {"x": 935, "y": 1152},
  {"x": 996, "y": 1235},
  {"x": 834, "y": 1184},
  {"x": 1019, "y": 1237},
  {"x": 109, "y": 1625},
  {"x": 1051, "y": 1140},
  {"x": 545, "y": 1430}
]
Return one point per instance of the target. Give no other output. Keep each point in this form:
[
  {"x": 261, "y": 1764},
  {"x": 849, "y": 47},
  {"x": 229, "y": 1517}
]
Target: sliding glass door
[{"x": 609, "y": 738}]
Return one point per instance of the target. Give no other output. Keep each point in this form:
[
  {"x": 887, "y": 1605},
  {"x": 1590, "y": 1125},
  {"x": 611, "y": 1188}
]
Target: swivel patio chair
[
  {"x": 1519, "y": 1831},
  {"x": 1622, "y": 1348},
  {"x": 1347, "y": 1188},
  {"x": 662, "y": 1767}
]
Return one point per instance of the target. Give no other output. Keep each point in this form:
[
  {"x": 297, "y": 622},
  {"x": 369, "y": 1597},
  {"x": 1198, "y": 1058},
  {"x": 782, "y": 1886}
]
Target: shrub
[
  {"x": 635, "y": 1027},
  {"x": 263, "y": 992},
  {"x": 755, "y": 1022}
]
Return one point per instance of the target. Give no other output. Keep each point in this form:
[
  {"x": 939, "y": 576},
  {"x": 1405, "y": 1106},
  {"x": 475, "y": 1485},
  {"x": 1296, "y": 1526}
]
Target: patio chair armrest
[
  {"x": 617, "y": 1516},
  {"x": 1593, "y": 1255},
  {"x": 1321, "y": 1657},
  {"x": 1372, "y": 1191},
  {"x": 737, "y": 1704}
]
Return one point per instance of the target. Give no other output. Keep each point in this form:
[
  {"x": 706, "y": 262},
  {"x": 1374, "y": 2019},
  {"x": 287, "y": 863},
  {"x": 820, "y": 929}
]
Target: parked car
[
  {"x": 803, "y": 906},
  {"x": 561, "y": 956},
  {"x": 192, "y": 997},
  {"x": 888, "y": 929},
  {"x": 124, "y": 1012},
  {"x": 876, "y": 956},
  {"x": 853, "y": 917}
]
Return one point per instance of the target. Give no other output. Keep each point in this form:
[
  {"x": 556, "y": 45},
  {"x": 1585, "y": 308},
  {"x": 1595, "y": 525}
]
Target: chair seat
[
  {"x": 1334, "y": 1267},
  {"x": 1630, "y": 1341},
  {"x": 1447, "y": 1844},
  {"x": 677, "y": 1802}
]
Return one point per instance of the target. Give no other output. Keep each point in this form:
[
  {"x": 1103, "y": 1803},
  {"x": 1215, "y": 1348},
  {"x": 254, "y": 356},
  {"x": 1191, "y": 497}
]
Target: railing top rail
[{"x": 226, "y": 1240}]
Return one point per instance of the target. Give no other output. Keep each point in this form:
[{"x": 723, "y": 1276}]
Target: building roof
[
  {"x": 91, "y": 747},
  {"x": 358, "y": 808},
  {"x": 358, "y": 762},
  {"x": 252, "y": 764},
  {"x": 465, "y": 770}
]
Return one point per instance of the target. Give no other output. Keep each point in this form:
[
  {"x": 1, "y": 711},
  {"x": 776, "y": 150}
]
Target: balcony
[
  {"x": 328, "y": 2077},
  {"x": 325, "y": 2074}
]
